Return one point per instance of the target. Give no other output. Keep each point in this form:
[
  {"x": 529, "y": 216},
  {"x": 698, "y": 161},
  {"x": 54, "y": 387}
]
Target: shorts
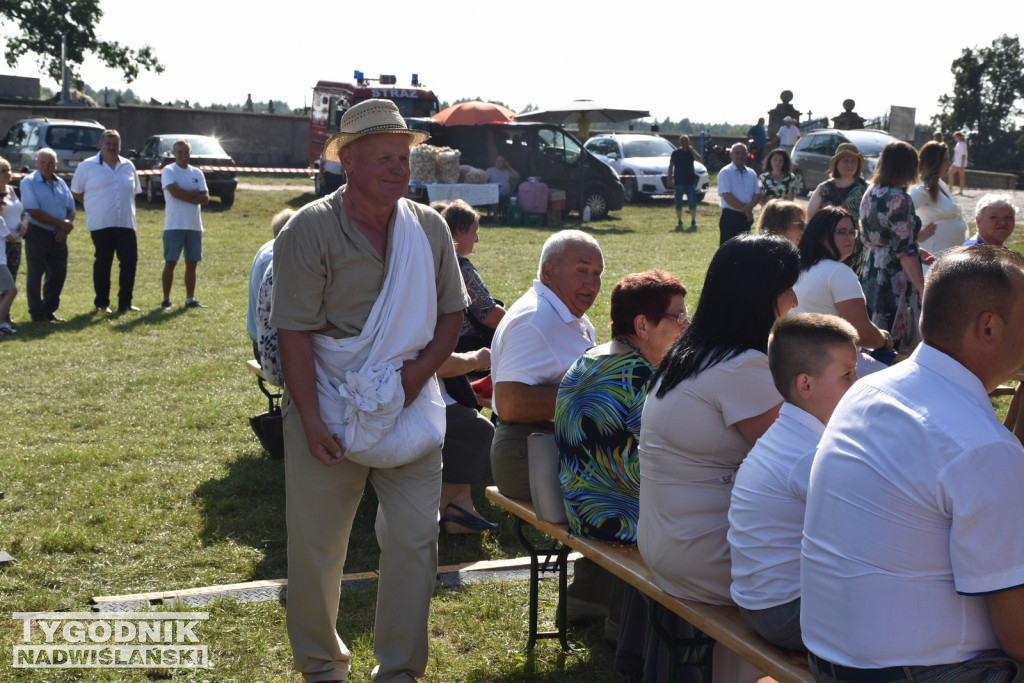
[
  {"x": 6, "y": 281},
  {"x": 191, "y": 241},
  {"x": 691, "y": 196}
]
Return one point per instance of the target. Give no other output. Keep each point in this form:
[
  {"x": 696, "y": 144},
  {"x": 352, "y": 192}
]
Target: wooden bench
[
  {"x": 721, "y": 624},
  {"x": 272, "y": 396}
]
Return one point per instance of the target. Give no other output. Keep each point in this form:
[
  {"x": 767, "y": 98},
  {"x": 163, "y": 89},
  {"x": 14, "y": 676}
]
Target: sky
[{"x": 729, "y": 67}]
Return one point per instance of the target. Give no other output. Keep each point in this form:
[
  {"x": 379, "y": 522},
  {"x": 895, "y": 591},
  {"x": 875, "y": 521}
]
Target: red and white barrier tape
[{"x": 237, "y": 169}]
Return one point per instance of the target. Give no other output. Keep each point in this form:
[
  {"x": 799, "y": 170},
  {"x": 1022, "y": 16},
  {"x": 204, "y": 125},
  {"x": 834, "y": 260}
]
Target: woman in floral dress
[
  {"x": 891, "y": 272},
  {"x": 777, "y": 181}
]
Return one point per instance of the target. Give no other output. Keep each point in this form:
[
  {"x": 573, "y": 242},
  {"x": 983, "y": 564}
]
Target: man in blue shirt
[
  {"x": 759, "y": 140},
  {"x": 51, "y": 213}
]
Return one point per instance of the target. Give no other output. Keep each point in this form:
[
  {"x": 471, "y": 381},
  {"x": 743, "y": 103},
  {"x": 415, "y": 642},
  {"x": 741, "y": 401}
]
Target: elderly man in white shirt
[
  {"x": 738, "y": 194},
  {"x": 540, "y": 337},
  {"x": 912, "y": 562},
  {"x": 106, "y": 185}
]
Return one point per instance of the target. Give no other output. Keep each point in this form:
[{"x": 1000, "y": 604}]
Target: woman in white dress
[
  {"x": 828, "y": 285},
  {"x": 934, "y": 202},
  {"x": 711, "y": 398}
]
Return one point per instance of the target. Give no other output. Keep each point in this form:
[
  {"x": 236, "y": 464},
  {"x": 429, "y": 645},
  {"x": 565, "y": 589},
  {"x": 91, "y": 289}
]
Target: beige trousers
[{"x": 321, "y": 505}]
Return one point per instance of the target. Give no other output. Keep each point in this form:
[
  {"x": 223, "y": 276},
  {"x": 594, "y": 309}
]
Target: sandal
[{"x": 465, "y": 523}]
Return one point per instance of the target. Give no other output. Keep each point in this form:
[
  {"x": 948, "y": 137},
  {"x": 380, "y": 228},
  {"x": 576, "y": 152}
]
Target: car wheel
[
  {"x": 799, "y": 185},
  {"x": 597, "y": 202},
  {"x": 227, "y": 200},
  {"x": 701, "y": 195},
  {"x": 629, "y": 190},
  {"x": 152, "y": 196}
]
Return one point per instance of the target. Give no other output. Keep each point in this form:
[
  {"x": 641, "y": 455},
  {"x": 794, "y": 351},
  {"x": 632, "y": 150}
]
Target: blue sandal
[{"x": 465, "y": 523}]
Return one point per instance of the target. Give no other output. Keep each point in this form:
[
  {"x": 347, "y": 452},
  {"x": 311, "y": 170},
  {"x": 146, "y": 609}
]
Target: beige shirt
[{"x": 327, "y": 275}]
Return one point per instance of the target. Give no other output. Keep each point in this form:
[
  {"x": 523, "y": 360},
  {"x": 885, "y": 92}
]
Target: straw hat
[
  {"x": 369, "y": 118},
  {"x": 845, "y": 149}
]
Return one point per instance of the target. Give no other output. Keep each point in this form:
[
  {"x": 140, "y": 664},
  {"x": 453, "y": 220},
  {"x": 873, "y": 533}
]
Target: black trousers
[
  {"x": 108, "y": 242},
  {"x": 44, "y": 257},
  {"x": 732, "y": 223}
]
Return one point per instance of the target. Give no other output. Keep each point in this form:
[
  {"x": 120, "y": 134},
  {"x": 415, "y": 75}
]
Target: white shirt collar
[
  {"x": 950, "y": 368},
  {"x": 564, "y": 314},
  {"x": 802, "y": 417}
]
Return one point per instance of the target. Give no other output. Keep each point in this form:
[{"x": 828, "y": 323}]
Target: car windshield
[
  {"x": 201, "y": 146},
  {"x": 869, "y": 143},
  {"x": 648, "y": 147},
  {"x": 73, "y": 137}
]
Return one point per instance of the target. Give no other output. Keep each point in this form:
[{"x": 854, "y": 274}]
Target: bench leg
[
  {"x": 272, "y": 397},
  {"x": 546, "y": 560},
  {"x": 696, "y": 651}
]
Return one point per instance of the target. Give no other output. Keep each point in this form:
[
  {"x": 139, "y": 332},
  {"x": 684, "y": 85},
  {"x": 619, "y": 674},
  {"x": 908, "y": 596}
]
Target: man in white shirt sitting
[
  {"x": 912, "y": 564},
  {"x": 540, "y": 337}
]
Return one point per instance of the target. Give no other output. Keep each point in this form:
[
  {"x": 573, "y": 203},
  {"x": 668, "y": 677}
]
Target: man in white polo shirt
[
  {"x": 738, "y": 194},
  {"x": 184, "y": 192},
  {"x": 541, "y": 335},
  {"x": 106, "y": 185},
  {"x": 912, "y": 564}
]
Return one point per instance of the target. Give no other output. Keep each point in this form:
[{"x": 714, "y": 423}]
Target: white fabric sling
[{"x": 359, "y": 380}]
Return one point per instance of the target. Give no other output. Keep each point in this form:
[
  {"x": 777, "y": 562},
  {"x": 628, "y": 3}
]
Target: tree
[
  {"x": 988, "y": 89},
  {"x": 38, "y": 26}
]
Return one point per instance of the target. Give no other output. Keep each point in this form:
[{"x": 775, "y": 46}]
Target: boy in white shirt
[
  {"x": 813, "y": 359},
  {"x": 184, "y": 192}
]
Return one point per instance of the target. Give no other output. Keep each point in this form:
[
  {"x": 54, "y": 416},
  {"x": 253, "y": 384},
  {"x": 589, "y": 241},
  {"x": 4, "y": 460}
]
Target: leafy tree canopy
[
  {"x": 988, "y": 90},
  {"x": 36, "y": 28}
]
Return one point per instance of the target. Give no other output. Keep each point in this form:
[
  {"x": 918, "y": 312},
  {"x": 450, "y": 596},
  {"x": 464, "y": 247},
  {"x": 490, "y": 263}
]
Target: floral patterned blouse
[
  {"x": 889, "y": 227},
  {"x": 771, "y": 188},
  {"x": 481, "y": 301},
  {"x": 848, "y": 198},
  {"x": 597, "y": 430}
]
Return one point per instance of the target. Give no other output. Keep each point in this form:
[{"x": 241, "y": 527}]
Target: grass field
[{"x": 127, "y": 464}]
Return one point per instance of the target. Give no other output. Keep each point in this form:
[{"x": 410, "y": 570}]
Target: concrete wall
[{"x": 251, "y": 139}]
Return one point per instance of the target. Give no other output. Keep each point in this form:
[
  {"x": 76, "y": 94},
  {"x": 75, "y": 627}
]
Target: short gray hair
[
  {"x": 47, "y": 152},
  {"x": 279, "y": 220},
  {"x": 555, "y": 245},
  {"x": 739, "y": 144},
  {"x": 994, "y": 200},
  {"x": 182, "y": 141}
]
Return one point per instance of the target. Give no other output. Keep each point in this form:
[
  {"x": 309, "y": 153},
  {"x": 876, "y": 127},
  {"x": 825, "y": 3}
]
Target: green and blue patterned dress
[{"x": 597, "y": 430}]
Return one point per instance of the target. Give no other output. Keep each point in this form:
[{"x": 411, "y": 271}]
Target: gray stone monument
[
  {"x": 781, "y": 111},
  {"x": 849, "y": 119}
]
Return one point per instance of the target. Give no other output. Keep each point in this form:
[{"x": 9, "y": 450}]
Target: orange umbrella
[{"x": 474, "y": 113}]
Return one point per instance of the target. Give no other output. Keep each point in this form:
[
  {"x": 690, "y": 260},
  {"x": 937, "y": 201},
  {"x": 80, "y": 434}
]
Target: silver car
[
  {"x": 641, "y": 160},
  {"x": 73, "y": 141},
  {"x": 815, "y": 149}
]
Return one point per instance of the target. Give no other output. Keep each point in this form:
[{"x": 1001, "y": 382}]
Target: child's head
[{"x": 813, "y": 359}]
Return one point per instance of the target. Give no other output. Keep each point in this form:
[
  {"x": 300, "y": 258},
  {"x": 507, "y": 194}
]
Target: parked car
[
  {"x": 544, "y": 150},
  {"x": 155, "y": 153},
  {"x": 814, "y": 150},
  {"x": 641, "y": 160},
  {"x": 72, "y": 140}
]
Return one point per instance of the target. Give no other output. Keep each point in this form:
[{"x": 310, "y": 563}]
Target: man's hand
[
  {"x": 414, "y": 377},
  {"x": 323, "y": 445}
]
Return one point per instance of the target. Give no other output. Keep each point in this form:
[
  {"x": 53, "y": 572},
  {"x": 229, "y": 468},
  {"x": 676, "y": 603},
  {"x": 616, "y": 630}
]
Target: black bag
[{"x": 269, "y": 429}]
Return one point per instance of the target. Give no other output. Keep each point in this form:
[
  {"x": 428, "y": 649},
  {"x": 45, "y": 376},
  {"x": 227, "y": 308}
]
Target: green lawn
[{"x": 127, "y": 464}]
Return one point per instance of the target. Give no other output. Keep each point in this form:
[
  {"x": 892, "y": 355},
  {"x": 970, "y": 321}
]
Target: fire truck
[{"x": 331, "y": 99}]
